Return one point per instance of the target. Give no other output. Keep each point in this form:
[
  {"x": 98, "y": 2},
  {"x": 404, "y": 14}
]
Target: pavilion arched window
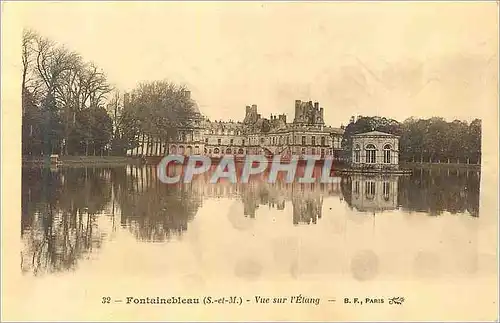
[
  {"x": 387, "y": 154},
  {"x": 357, "y": 154},
  {"x": 370, "y": 154}
]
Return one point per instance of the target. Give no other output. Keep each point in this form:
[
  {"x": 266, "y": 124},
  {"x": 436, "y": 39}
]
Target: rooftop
[{"x": 374, "y": 133}]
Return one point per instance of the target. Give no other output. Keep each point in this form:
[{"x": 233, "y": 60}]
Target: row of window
[
  {"x": 189, "y": 150},
  {"x": 277, "y": 141},
  {"x": 370, "y": 156},
  {"x": 370, "y": 189},
  {"x": 372, "y": 147},
  {"x": 370, "y": 151}
]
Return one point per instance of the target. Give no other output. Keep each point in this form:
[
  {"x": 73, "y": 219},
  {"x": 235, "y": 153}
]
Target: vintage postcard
[{"x": 249, "y": 161}]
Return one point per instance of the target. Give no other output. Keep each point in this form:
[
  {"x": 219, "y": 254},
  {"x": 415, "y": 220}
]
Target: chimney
[
  {"x": 247, "y": 110},
  {"x": 187, "y": 94},
  {"x": 316, "y": 105},
  {"x": 297, "y": 108}
]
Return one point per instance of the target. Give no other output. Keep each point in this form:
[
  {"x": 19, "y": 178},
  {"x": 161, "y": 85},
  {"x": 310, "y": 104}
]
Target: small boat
[{"x": 54, "y": 160}]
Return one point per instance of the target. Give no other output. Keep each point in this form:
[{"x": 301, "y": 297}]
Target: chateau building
[{"x": 307, "y": 134}]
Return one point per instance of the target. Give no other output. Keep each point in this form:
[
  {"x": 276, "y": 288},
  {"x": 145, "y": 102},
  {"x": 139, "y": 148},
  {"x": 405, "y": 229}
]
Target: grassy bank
[
  {"x": 441, "y": 166},
  {"x": 87, "y": 161}
]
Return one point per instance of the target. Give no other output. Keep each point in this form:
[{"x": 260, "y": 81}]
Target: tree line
[
  {"x": 432, "y": 140},
  {"x": 70, "y": 108}
]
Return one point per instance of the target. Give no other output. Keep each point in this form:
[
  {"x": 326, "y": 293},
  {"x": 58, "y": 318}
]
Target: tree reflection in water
[
  {"x": 59, "y": 212},
  {"x": 61, "y": 209},
  {"x": 153, "y": 211}
]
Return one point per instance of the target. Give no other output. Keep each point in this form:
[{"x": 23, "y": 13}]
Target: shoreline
[
  {"x": 117, "y": 161},
  {"x": 440, "y": 166},
  {"x": 85, "y": 161}
]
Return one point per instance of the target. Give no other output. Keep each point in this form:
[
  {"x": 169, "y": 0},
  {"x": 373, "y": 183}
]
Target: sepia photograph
[{"x": 250, "y": 161}]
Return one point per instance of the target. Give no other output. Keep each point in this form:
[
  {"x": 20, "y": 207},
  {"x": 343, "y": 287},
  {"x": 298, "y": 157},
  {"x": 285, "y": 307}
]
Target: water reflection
[
  {"x": 433, "y": 192},
  {"x": 59, "y": 213},
  {"x": 68, "y": 213},
  {"x": 151, "y": 210}
]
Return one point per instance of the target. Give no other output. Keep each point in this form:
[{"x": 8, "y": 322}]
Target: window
[
  {"x": 386, "y": 190},
  {"x": 228, "y": 151},
  {"x": 303, "y": 140},
  {"x": 287, "y": 140},
  {"x": 240, "y": 151},
  {"x": 323, "y": 141},
  {"x": 370, "y": 190},
  {"x": 387, "y": 154},
  {"x": 243, "y": 142},
  {"x": 231, "y": 142},
  {"x": 216, "y": 150},
  {"x": 370, "y": 154},
  {"x": 303, "y": 151},
  {"x": 357, "y": 154},
  {"x": 219, "y": 141},
  {"x": 322, "y": 152},
  {"x": 313, "y": 151},
  {"x": 356, "y": 187},
  {"x": 206, "y": 140},
  {"x": 313, "y": 141}
]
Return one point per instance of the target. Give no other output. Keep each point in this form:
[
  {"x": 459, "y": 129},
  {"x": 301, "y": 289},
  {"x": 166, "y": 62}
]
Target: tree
[
  {"x": 57, "y": 87},
  {"x": 163, "y": 111}
]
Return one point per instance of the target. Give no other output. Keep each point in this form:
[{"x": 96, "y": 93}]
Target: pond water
[
  {"x": 122, "y": 223},
  {"x": 70, "y": 213}
]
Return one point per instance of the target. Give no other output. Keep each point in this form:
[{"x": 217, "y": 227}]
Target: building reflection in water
[
  {"x": 69, "y": 212},
  {"x": 372, "y": 193},
  {"x": 426, "y": 190},
  {"x": 305, "y": 199}
]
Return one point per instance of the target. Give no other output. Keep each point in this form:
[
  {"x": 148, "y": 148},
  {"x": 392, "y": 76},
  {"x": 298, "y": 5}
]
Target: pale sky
[{"x": 366, "y": 58}]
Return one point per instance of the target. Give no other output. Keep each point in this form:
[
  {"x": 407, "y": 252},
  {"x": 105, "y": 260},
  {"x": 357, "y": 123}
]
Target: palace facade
[{"x": 307, "y": 134}]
